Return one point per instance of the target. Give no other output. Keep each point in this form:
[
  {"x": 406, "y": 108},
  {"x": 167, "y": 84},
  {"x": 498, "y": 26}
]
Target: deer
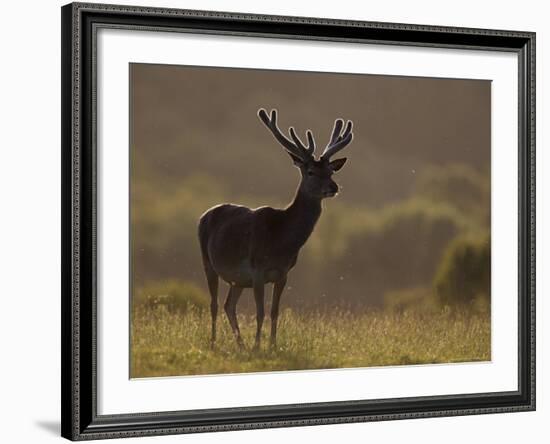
[{"x": 249, "y": 248}]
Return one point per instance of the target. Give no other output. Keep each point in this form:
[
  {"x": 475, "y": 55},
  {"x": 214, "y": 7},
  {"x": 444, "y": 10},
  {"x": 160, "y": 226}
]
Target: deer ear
[
  {"x": 297, "y": 160},
  {"x": 337, "y": 164}
]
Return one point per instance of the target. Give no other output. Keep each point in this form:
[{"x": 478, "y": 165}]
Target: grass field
[{"x": 164, "y": 343}]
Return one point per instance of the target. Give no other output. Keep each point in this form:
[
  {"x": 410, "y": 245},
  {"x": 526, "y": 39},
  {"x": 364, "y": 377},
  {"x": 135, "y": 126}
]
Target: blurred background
[{"x": 410, "y": 228}]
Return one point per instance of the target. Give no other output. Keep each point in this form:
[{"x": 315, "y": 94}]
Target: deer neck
[{"x": 301, "y": 216}]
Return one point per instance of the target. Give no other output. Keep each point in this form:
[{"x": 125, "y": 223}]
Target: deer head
[{"x": 316, "y": 173}]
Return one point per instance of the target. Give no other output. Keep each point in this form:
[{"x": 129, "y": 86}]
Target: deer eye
[{"x": 310, "y": 173}]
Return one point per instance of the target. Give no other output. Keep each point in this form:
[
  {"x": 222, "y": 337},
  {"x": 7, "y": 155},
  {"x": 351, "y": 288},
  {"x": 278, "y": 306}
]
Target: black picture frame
[{"x": 78, "y": 307}]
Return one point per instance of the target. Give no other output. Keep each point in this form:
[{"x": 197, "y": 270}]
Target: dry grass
[{"x": 168, "y": 344}]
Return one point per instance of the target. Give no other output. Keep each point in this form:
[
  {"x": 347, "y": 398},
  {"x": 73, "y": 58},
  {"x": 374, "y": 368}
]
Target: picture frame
[{"x": 80, "y": 211}]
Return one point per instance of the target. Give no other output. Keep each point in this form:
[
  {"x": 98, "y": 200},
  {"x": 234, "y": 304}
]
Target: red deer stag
[{"x": 249, "y": 248}]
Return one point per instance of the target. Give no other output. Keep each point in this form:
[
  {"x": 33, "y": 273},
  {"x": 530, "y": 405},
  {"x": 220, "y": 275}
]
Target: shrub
[
  {"x": 461, "y": 186},
  {"x": 410, "y": 299},
  {"x": 464, "y": 275},
  {"x": 174, "y": 295},
  {"x": 401, "y": 250}
]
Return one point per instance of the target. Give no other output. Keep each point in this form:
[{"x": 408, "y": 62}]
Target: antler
[
  {"x": 295, "y": 146},
  {"x": 338, "y": 140}
]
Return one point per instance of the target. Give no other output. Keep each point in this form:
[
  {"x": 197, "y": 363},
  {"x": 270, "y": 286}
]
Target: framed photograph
[{"x": 282, "y": 221}]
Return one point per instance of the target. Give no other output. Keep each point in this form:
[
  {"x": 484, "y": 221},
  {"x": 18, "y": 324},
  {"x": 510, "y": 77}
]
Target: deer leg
[
  {"x": 212, "y": 279},
  {"x": 278, "y": 288},
  {"x": 260, "y": 313},
  {"x": 231, "y": 310}
]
